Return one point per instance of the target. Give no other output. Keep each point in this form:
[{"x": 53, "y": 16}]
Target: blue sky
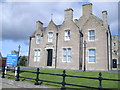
[{"x": 18, "y": 19}]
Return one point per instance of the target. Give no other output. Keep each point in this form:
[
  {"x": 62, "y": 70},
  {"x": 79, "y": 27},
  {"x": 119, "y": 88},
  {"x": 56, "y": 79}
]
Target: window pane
[
  {"x": 35, "y": 55},
  {"x": 38, "y": 58},
  {"x": 64, "y": 51},
  {"x": 64, "y": 58},
  {"x": 38, "y": 53},
  {"x": 69, "y": 51},
  {"x": 64, "y": 54},
  {"x": 50, "y": 36},
  {"x": 37, "y": 38},
  {"x": 69, "y": 58},
  {"x": 91, "y": 35},
  {"x": 35, "y": 58},
  {"x": 91, "y": 59},
  {"x": 91, "y": 52},
  {"x": 92, "y": 32},
  {"x": 68, "y": 31},
  {"x": 91, "y": 55},
  {"x": 92, "y": 38},
  {"x": 67, "y": 34},
  {"x": 69, "y": 54}
]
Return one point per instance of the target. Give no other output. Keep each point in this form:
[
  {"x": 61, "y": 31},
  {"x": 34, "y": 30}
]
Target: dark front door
[
  {"x": 114, "y": 63},
  {"x": 49, "y": 57}
]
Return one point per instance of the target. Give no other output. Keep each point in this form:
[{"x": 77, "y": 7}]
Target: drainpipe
[
  {"x": 80, "y": 48},
  {"x": 107, "y": 52},
  {"x": 56, "y": 50},
  {"x": 85, "y": 55}
]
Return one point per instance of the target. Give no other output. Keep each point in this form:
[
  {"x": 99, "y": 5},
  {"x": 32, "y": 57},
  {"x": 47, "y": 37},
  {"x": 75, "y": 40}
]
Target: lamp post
[
  {"x": 85, "y": 54},
  {"x": 19, "y": 52}
]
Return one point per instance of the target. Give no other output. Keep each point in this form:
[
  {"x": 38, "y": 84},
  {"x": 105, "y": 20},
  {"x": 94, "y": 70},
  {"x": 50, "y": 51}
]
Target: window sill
[
  {"x": 66, "y": 61},
  {"x": 91, "y": 62},
  {"x": 91, "y": 40},
  {"x": 66, "y": 40}
]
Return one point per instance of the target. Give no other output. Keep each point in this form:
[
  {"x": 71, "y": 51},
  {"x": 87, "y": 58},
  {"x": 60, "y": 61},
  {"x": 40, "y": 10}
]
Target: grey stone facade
[
  {"x": 64, "y": 44},
  {"x": 115, "y": 46}
]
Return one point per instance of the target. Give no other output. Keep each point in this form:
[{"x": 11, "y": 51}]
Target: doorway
[
  {"x": 114, "y": 63},
  {"x": 49, "y": 57}
]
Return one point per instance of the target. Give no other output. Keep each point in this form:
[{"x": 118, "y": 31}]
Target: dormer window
[
  {"x": 37, "y": 38},
  {"x": 91, "y": 35},
  {"x": 50, "y": 36},
  {"x": 67, "y": 35}
]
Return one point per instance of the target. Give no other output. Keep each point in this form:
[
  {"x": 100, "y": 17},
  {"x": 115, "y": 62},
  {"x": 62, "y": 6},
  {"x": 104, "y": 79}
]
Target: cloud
[
  {"x": 112, "y": 9},
  {"x": 18, "y": 19}
]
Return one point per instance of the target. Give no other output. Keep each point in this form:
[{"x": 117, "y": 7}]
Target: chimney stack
[
  {"x": 68, "y": 14},
  {"x": 104, "y": 15},
  {"x": 87, "y": 9},
  {"x": 39, "y": 25}
]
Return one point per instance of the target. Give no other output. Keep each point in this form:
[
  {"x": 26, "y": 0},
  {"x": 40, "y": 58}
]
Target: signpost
[{"x": 12, "y": 60}]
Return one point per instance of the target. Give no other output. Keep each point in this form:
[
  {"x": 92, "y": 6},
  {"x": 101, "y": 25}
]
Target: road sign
[{"x": 12, "y": 60}]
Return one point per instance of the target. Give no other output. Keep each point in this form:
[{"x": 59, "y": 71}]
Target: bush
[{"x": 23, "y": 61}]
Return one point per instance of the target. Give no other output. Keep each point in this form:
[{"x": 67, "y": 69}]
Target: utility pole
[{"x": 85, "y": 54}]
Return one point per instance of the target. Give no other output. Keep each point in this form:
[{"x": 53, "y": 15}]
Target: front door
[
  {"x": 114, "y": 63},
  {"x": 49, "y": 57}
]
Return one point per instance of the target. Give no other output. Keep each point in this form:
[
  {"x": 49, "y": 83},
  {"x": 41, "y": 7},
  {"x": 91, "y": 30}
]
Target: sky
[{"x": 18, "y": 20}]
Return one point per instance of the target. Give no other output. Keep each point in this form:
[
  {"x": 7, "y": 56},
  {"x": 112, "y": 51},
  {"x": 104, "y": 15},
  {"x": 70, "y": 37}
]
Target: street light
[
  {"x": 85, "y": 54},
  {"x": 19, "y": 52}
]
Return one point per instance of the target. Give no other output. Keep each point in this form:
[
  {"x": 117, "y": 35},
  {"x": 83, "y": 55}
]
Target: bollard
[
  {"x": 63, "y": 82},
  {"x": 16, "y": 71},
  {"x": 37, "y": 77},
  {"x": 100, "y": 81},
  {"x": 5, "y": 69},
  {"x": 17, "y": 76},
  {"x": 3, "y": 72}
]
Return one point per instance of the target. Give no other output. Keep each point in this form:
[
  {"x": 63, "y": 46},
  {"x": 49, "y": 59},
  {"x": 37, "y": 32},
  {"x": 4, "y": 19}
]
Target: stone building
[
  {"x": 115, "y": 44},
  {"x": 80, "y": 44},
  {"x": 14, "y": 52}
]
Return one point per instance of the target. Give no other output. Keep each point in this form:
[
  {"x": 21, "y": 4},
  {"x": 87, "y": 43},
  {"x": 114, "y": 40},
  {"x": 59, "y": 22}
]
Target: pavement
[{"x": 8, "y": 83}]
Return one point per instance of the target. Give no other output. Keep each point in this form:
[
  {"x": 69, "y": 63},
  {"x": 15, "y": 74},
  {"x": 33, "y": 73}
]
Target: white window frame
[
  {"x": 66, "y": 55},
  {"x": 91, "y": 35},
  {"x": 37, "y": 38},
  {"x": 91, "y": 55},
  {"x": 67, "y": 37},
  {"x": 38, "y": 55},
  {"x": 50, "y": 39}
]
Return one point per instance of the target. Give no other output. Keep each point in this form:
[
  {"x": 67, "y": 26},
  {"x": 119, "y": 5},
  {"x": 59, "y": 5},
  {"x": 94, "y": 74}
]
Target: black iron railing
[{"x": 64, "y": 75}]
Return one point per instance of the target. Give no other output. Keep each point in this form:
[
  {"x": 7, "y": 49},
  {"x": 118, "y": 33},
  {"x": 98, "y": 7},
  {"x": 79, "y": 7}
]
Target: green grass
[{"x": 71, "y": 80}]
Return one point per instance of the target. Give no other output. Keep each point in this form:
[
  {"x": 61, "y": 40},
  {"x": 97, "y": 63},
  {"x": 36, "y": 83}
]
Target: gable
[{"x": 83, "y": 20}]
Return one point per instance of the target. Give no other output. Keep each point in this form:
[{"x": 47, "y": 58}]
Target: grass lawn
[{"x": 71, "y": 80}]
